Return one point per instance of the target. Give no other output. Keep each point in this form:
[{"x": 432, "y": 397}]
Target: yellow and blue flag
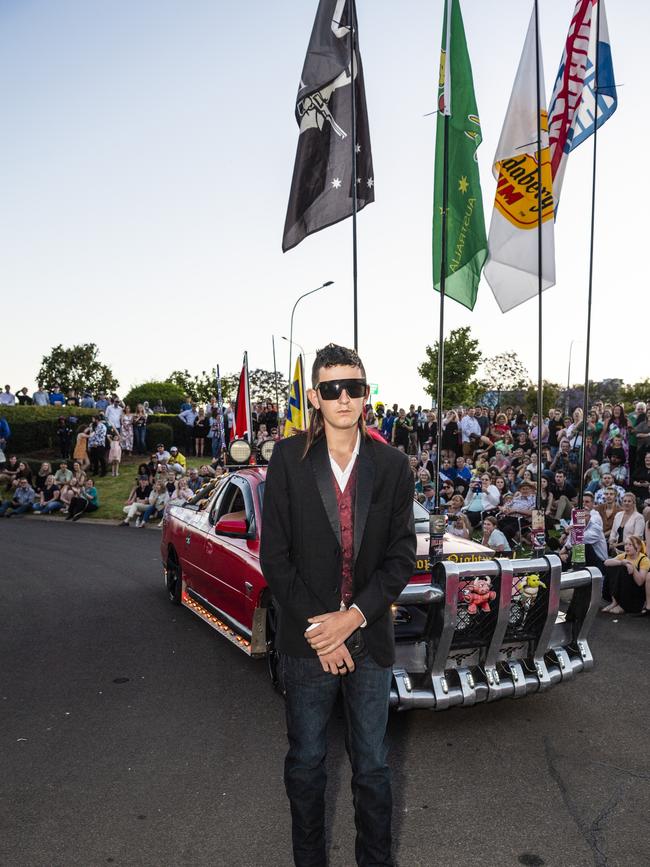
[{"x": 297, "y": 409}]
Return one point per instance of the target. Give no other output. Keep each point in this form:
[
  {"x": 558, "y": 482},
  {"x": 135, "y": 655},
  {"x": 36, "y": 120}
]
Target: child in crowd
[{"x": 115, "y": 454}]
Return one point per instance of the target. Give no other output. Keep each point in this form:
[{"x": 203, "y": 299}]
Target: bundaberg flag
[
  {"x": 466, "y": 246},
  {"x": 574, "y": 110},
  {"x": 297, "y": 409},
  {"x": 512, "y": 267},
  {"x": 323, "y": 176}
]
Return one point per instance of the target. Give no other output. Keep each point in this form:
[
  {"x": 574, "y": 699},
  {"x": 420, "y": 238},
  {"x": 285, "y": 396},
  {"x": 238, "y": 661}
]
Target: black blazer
[{"x": 300, "y": 550}]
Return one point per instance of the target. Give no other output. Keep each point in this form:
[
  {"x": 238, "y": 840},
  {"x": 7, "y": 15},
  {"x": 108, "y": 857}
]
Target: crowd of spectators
[{"x": 488, "y": 471}]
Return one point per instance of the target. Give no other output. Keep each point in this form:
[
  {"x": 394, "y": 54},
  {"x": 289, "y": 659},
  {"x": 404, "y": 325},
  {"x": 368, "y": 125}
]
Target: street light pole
[{"x": 311, "y": 292}]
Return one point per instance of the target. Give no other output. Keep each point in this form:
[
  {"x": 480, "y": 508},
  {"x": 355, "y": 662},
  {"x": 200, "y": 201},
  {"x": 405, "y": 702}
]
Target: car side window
[{"x": 231, "y": 501}]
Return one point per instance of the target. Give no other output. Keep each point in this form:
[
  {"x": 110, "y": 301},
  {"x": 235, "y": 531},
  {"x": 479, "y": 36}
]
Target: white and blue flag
[{"x": 574, "y": 110}]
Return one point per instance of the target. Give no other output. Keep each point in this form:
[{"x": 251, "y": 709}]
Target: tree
[
  {"x": 551, "y": 392},
  {"x": 201, "y": 388},
  {"x": 76, "y": 367},
  {"x": 263, "y": 384},
  {"x": 505, "y": 372},
  {"x": 462, "y": 357},
  {"x": 170, "y": 394}
]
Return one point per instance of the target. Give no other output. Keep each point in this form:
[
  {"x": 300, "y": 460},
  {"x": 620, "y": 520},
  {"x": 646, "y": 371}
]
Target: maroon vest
[{"x": 345, "y": 501}]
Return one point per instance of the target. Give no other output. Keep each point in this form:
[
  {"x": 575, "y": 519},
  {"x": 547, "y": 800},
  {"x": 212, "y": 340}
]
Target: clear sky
[{"x": 147, "y": 148}]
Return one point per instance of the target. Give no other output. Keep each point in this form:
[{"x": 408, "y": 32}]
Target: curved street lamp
[{"x": 291, "y": 341}]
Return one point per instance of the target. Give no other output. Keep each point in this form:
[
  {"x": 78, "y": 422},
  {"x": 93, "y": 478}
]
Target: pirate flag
[{"x": 323, "y": 177}]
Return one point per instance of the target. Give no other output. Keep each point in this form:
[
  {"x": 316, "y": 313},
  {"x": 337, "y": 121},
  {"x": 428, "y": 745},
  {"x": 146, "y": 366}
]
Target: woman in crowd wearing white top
[
  {"x": 482, "y": 496},
  {"x": 493, "y": 537},
  {"x": 628, "y": 522}
]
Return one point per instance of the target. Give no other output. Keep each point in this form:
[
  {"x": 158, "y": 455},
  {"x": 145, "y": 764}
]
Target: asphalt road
[{"x": 132, "y": 734}]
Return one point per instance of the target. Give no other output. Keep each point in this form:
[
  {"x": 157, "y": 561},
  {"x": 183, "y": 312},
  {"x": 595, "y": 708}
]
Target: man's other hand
[
  {"x": 338, "y": 661},
  {"x": 332, "y": 629}
]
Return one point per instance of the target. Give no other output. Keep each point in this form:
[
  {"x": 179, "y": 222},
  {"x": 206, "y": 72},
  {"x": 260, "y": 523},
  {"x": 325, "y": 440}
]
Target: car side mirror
[{"x": 231, "y": 526}]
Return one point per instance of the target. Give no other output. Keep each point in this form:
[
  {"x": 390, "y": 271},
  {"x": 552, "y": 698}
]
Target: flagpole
[
  {"x": 275, "y": 375},
  {"x": 585, "y": 398},
  {"x": 540, "y": 402},
  {"x": 353, "y": 21},
  {"x": 441, "y": 324}
]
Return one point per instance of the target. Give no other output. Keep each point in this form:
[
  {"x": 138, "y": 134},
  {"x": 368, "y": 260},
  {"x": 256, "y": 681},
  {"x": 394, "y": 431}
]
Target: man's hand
[
  {"x": 332, "y": 629},
  {"x": 338, "y": 661}
]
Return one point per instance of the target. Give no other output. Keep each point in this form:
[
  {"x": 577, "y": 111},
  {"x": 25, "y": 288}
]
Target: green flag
[{"x": 466, "y": 240}]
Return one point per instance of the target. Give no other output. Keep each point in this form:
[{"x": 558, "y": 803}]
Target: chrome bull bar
[{"x": 525, "y": 643}]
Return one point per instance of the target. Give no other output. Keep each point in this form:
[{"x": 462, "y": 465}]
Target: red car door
[{"x": 230, "y": 561}]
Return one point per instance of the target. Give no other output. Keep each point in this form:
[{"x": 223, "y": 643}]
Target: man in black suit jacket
[{"x": 338, "y": 547}]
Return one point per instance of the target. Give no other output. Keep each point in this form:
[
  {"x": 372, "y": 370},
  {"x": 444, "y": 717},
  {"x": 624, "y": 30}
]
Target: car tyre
[{"x": 174, "y": 578}]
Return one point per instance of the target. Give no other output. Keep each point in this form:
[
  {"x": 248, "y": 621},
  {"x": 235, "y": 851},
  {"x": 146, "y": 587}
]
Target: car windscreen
[{"x": 421, "y": 517}]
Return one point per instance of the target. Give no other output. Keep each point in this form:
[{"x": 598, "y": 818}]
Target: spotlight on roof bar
[
  {"x": 239, "y": 452},
  {"x": 266, "y": 450}
]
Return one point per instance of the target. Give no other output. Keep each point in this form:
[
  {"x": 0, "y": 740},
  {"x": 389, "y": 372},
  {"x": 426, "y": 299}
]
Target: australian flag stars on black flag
[{"x": 323, "y": 178}]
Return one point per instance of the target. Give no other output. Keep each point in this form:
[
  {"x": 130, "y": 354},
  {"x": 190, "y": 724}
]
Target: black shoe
[{"x": 77, "y": 516}]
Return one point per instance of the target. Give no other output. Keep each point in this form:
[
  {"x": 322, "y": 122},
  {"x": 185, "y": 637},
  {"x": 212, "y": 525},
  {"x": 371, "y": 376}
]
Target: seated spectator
[
  {"x": 641, "y": 480},
  {"x": 482, "y": 497},
  {"x": 49, "y": 499},
  {"x": 162, "y": 454},
  {"x": 626, "y": 577},
  {"x": 493, "y": 537},
  {"x": 460, "y": 526},
  {"x": 41, "y": 476},
  {"x": 592, "y": 478},
  {"x": 69, "y": 492},
  {"x": 86, "y": 501},
  {"x": 138, "y": 501},
  {"x": 607, "y": 510},
  {"x": 447, "y": 492},
  {"x": 517, "y": 513},
  {"x": 460, "y": 475},
  {"x": 22, "y": 498},
  {"x": 194, "y": 481},
  {"x": 158, "y": 499},
  {"x": 628, "y": 522},
  {"x": 429, "y": 501},
  {"x": 564, "y": 495},
  {"x": 24, "y": 472},
  {"x": 9, "y": 471},
  {"x": 455, "y": 506},
  {"x": 566, "y": 460},
  {"x": 63, "y": 476},
  {"x": 422, "y": 478},
  {"x": 594, "y": 539},
  {"x": 159, "y": 408},
  {"x": 607, "y": 483},
  {"x": 183, "y": 490},
  {"x": 78, "y": 473}
]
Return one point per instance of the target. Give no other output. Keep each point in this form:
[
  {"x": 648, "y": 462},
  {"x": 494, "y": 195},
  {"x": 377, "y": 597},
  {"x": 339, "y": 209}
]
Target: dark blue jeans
[{"x": 310, "y": 697}]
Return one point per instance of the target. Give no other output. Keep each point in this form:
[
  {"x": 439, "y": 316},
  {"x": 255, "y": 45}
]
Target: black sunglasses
[{"x": 332, "y": 389}]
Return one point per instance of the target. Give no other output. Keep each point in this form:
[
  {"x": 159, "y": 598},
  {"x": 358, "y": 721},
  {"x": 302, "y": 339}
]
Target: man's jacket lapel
[
  {"x": 365, "y": 482},
  {"x": 320, "y": 461}
]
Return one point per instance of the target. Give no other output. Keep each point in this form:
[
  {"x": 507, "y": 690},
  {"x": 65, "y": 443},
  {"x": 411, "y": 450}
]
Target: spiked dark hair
[
  {"x": 331, "y": 355},
  {"x": 334, "y": 355}
]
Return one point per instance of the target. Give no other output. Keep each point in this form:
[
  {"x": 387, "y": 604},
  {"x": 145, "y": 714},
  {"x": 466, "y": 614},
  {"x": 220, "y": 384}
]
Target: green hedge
[
  {"x": 33, "y": 428},
  {"x": 159, "y": 433},
  {"x": 170, "y": 394}
]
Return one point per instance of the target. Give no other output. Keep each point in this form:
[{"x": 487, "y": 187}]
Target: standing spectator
[
  {"x": 188, "y": 416},
  {"x": 21, "y": 500},
  {"x": 140, "y": 429},
  {"x": 470, "y": 432},
  {"x": 200, "y": 432},
  {"x": 57, "y": 398},
  {"x": 5, "y": 434},
  {"x": 102, "y": 401},
  {"x": 159, "y": 408},
  {"x": 80, "y": 452},
  {"x": 86, "y": 502},
  {"x": 113, "y": 414},
  {"x": 87, "y": 401},
  {"x": 554, "y": 427},
  {"x": 138, "y": 501},
  {"x": 450, "y": 436},
  {"x": 97, "y": 446},
  {"x": 7, "y": 398},
  {"x": 215, "y": 424},
  {"x": 23, "y": 397},
  {"x": 64, "y": 435},
  {"x": 126, "y": 431},
  {"x": 186, "y": 403},
  {"x": 115, "y": 455},
  {"x": 402, "y": 430},
  {"x": 147, "y": 408},
  {"x": 41, "y": 397},
  {"x": 641, "y": 480},
  {"x": 49, "y": 499},
  {"x": 638, "y": 415}
]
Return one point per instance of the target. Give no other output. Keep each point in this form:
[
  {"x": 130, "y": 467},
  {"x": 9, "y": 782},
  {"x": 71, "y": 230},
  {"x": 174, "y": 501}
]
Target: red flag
[{"x": 243, "y": 427}]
